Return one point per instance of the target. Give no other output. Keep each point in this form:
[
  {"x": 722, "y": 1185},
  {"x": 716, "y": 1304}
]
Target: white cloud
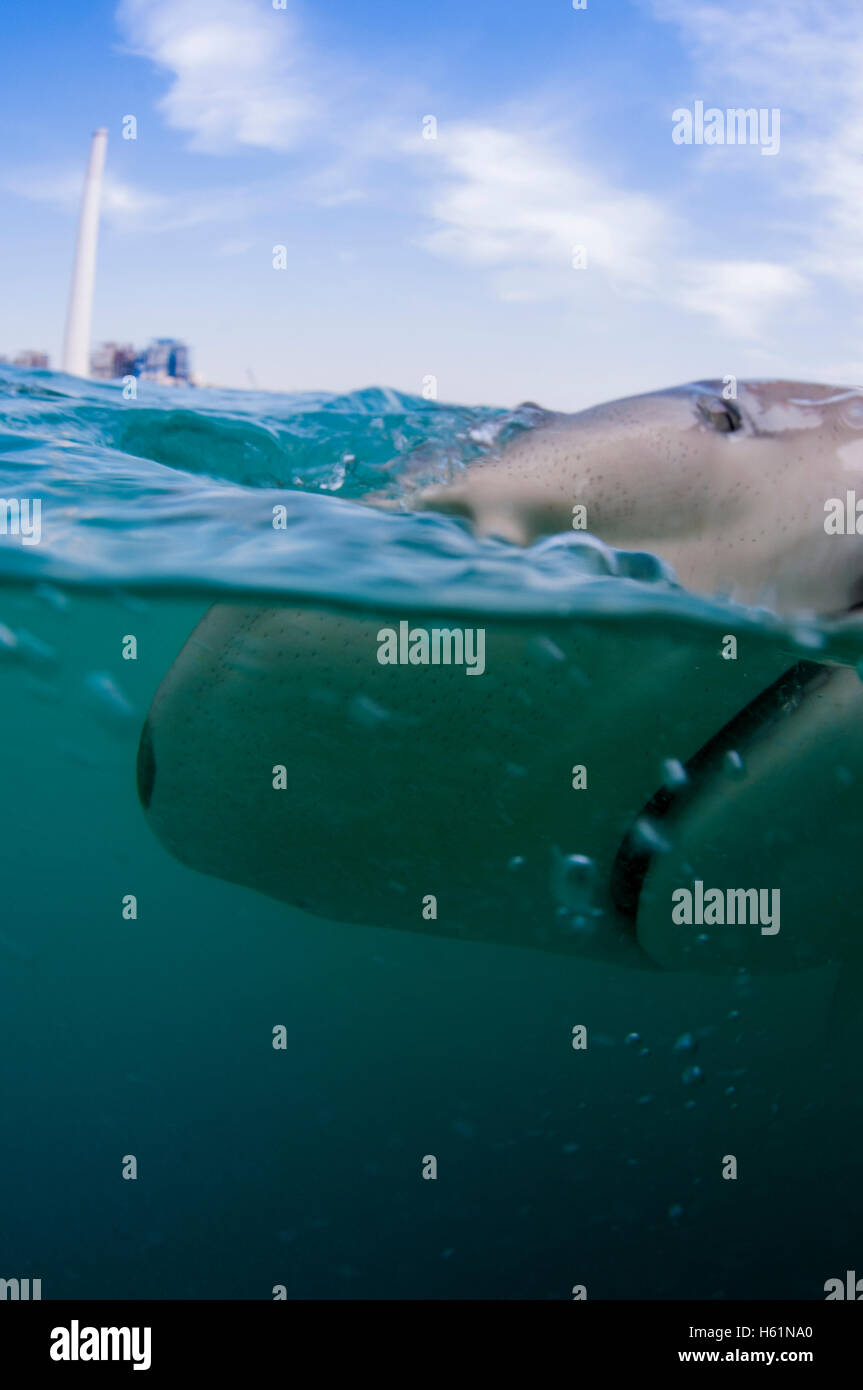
[
  {"x": 507, "y": 202},
  {"x": 770, "y": 45},
  {"x": 124, "y": 203},
  {"x": 511, "y": 205},
  {"x": 741, "y": 296},
  {"x": 125, "y": 206},
  {"x": 806, "y": 56},
  {"x": 504, "y": 199},
  {"x": 236, "y": 70},
  {"x": 62, "y": 189}
]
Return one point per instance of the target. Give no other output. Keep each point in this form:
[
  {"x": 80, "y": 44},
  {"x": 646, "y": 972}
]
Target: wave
[{"x": 260, "y": 495}]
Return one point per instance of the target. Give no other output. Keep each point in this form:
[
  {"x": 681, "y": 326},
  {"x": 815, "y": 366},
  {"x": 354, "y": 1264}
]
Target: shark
[{"x": 601, "y": 765}]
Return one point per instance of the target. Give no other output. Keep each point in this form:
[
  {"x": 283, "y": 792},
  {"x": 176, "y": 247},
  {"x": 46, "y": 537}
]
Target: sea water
[{"x": 150, "y": 1037}]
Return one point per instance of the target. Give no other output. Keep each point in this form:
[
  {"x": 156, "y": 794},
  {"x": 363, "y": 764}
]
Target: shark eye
[{"x": 722, "y": 415}]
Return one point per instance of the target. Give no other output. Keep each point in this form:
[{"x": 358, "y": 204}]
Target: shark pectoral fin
[
  {"x": 502, "y": 526},
  {"x": 491, "y": 518},
  {"x": 443, "y": 497}
]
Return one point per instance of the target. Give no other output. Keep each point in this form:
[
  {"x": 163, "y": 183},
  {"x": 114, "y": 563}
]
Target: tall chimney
[{"x": 76, "y": 344}]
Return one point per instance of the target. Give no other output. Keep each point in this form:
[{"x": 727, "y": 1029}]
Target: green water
[
  {"x": 149, "y": 1037},
  {"x": 303, "y": 1167}
]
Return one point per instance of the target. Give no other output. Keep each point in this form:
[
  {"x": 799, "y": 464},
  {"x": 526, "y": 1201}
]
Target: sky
[{"x": 455, "y": 257}]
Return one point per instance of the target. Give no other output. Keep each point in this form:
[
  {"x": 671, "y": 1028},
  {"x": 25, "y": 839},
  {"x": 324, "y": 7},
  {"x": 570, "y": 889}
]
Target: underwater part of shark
[{"x": 280, "y": 754}]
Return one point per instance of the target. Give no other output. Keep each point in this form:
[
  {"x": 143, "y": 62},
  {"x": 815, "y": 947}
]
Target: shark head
[{"x": 732, "y": 490}]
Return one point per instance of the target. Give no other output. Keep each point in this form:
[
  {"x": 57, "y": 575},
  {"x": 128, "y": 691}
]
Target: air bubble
[
  {"x": 808, "y": 637},
  {"x": 54, "y": 597},
  {"x": 33, "y": 651},
  {"x": 647, "y": 836},
  {"x": 674, "y": 774},
  {"x": 574, "y": 882},
  {"x": 108, "y": 698},
  {"x": 22, "y": 647},
  {"x": 575, "y": 924},
  {"x": 542, "y": 649}
]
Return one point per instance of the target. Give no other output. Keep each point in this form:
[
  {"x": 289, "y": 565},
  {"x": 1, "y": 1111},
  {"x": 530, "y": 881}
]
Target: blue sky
[{"x": 451, "y": 258}]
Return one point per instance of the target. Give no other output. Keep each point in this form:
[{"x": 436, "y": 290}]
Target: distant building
[
  {"x": 31, "y": 358},
  {"x": 166, "y": 360},
  {"x": 111, "y": 360}
]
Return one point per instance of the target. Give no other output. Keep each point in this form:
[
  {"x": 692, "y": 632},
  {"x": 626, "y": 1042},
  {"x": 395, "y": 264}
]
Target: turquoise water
[{"x": 153, "y": 1037}]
